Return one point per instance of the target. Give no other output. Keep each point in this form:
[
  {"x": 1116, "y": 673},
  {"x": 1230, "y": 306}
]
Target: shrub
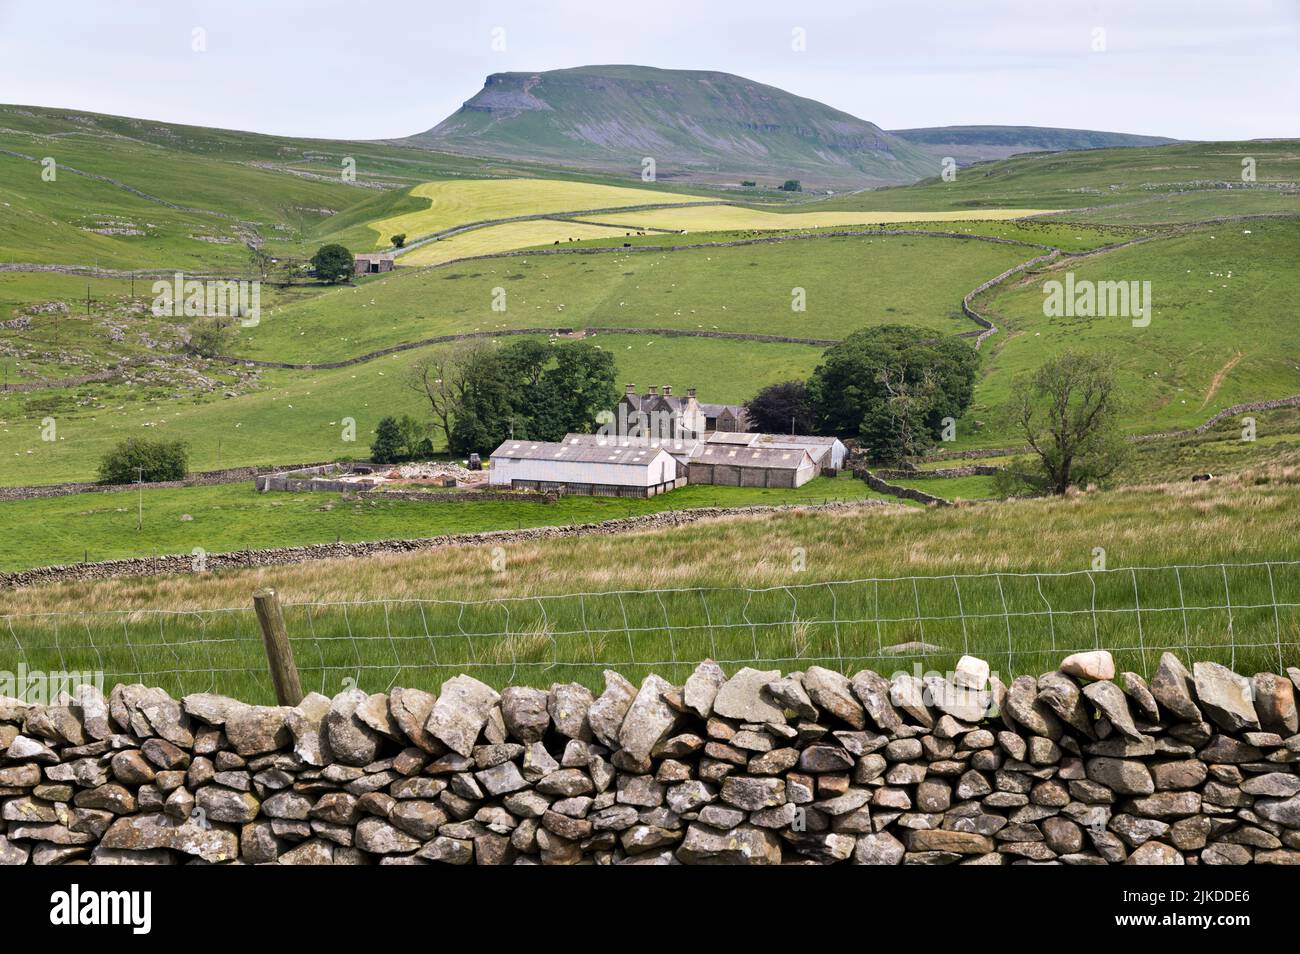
[
  {"x": 211, "y": 338},
  {"x": 138, "y": 458},
  {"x": 333, "y": 263}
]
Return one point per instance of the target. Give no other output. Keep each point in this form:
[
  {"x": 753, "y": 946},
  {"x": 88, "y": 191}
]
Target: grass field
[
  {"x": 230, "y": 517},
  {"x": 1067, "y": 236},
  {"x": 452, "y": 203},
  {"x": 355, "y": 618},
  {"x": 506, "y": 238},
  {"x": 710, "y": 218},
  {"x": 951, "y": 488},
  {"x": 850, "y": 283},
  {"x": 1217, "y": 336}
]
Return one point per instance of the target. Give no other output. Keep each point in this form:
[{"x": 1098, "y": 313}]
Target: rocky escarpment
[{"x": 1077, "y": 766}]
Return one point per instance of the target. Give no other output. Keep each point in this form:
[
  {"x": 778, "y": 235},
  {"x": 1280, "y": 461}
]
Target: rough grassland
[
  {"x": 1004, "y": 619},
  {"x": 452, "y": 203},
  {"x": 1097, "y": 177},
  {"x": 1220, "y": 331}
]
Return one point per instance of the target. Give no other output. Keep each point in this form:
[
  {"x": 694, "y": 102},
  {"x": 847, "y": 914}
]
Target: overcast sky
[{"x": 365, "y": 70}]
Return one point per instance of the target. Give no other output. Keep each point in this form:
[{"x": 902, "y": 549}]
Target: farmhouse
[
  {"x": 660, "y": 415},
  {"x": 734, "y": 465},
  {"x": 369, "y": 263},
  {"x": 632, "y": 470}
]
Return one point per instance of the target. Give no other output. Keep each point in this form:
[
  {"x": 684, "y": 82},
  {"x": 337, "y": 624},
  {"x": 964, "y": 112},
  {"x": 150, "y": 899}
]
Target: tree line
[
  {"x": 480, "y": 395},
  {"x": 900, "y": 391}
]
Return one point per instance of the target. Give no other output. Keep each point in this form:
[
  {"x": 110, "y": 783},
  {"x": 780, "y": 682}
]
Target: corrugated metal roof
[
  {"x": 581, "y": 452},
  {"x": 766, "y": 458},
  {"x": 794, "y": 440},
  {"x": 730, "y": 437},
  {"x": 674, "y": 445}
]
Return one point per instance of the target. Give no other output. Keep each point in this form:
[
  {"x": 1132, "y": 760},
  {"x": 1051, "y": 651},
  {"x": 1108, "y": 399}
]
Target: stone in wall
[{"x": 1196, "y": 766}]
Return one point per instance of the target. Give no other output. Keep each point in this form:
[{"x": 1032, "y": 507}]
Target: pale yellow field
[
  {"x": 503, "y": 238},
  {"x": 460, "y": 202},
  {"x": 718, "y": 218}
]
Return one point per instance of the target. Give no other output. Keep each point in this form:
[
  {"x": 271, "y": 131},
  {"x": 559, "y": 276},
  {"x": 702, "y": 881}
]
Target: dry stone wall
[
  {"x": 284, "y": 556},
  {"x": 1079, "y": 766}
]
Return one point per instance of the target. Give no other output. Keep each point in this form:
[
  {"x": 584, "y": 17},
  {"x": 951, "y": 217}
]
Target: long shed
[
  {"x": 734, "y": 465},
  {"x": 586, "y": 469}
]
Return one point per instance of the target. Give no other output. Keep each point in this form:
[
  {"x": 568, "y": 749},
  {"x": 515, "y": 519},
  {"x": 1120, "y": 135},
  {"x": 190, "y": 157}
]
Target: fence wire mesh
[{"x": 1244, "y": 615}]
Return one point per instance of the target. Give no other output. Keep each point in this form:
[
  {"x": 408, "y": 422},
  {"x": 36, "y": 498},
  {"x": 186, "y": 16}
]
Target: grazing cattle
[{"x": 1198, "y": 477}]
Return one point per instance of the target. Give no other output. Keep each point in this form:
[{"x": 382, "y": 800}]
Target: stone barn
[
  {"x": 372, "y": 263},
  {"x": 725, "y": 417}
]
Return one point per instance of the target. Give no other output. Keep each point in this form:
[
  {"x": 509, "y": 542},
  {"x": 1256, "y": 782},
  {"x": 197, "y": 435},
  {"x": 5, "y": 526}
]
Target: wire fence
[{"x": 1244, "y": 615}]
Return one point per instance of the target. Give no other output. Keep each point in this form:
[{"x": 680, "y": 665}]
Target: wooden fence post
[{"x": 279, "y": 654}]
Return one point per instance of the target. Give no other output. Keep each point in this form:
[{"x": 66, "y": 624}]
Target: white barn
[{"x": 585, "y": 468}]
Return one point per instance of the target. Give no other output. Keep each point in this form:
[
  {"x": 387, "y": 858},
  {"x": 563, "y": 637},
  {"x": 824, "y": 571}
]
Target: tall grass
[{"x": 1012, "y": 583}]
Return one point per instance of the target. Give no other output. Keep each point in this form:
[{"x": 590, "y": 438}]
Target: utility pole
[{"x": 139, "y": 513}]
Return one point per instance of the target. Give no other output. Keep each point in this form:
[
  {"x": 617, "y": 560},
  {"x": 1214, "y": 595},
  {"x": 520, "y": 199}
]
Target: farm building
[
  {"x": 586, "y": 469},
  {"x": 660, "y": 415},
  {"x": 725, "y": 417},
  {"x": 738, "y": 465},
  {"x": 828, "y": 453},
  {"x": 370, "y": 263},
  {"x": 680, "y": 447}
]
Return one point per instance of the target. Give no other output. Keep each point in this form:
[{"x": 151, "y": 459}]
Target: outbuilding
[
  {"x": 828, "y": 453},
  {"x": 371, "y": 263},
  {"x": 733, "y": 465},
  {"x": 586, "y": 469}
]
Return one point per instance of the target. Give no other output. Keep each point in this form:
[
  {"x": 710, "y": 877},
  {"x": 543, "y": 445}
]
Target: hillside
[
  {"x": 702, "y": 125},
  {"x": 969, "y": 144}
]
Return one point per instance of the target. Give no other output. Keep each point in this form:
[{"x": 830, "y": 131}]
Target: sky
[{"x": 1188, "y": 69}]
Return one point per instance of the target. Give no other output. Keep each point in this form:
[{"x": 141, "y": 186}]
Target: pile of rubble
[
  {"x": 1076, "y": 767},
  {"x": 431, "y": 470}
]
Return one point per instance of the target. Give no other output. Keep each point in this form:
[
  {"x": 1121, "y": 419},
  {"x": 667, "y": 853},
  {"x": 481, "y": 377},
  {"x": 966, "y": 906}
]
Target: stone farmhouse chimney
[
  {"x": 654, "y": 389},
  {"x": 629, "y": 389},
  {"x": 690, "y": 392},
  {"x": 668, "y": 390}
]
